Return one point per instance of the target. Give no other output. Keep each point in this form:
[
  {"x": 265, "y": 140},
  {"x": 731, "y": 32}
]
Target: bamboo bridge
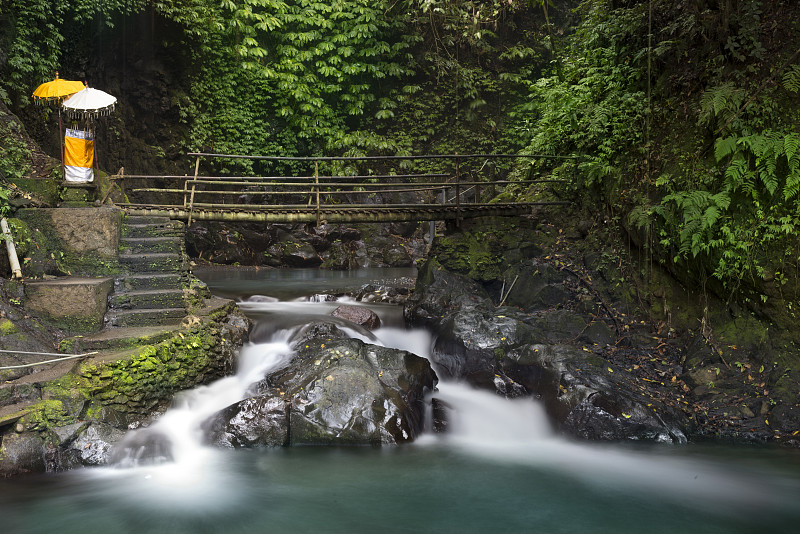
[{"x": 459, "y": 192}]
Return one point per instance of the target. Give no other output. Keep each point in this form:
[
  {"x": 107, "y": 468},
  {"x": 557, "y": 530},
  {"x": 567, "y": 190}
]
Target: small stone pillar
[{"x": 74, "y": 304}]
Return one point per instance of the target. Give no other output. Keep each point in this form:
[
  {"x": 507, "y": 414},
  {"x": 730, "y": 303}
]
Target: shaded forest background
[{"x": 684, "y": 113}]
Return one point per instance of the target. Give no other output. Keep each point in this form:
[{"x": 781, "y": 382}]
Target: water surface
[{"x": 500, "y": 469}]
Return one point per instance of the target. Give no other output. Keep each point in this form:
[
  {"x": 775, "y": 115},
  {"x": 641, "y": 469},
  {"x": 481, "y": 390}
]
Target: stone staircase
[
  {"x": 146, "y": 306},
  {"x": 150, "y": 293}
]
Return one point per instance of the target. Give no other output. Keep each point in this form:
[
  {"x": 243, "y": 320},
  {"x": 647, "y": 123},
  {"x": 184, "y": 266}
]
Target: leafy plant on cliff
[
  {"x": 596, "y": 107},
  {"x": 33, "y": 32},
  {"x": 323, "y": 62}
]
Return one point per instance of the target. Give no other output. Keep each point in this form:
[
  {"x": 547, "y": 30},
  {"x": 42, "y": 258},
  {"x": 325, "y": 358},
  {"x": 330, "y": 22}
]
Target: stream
[{"x": 500, "y": 468}]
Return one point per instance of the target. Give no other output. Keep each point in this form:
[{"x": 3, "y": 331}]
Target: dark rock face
[
  {"x": 254, "y": 422},
  {"x": 332, "y": 246},
  {"x": 217, "y": 242},
  {"x": 359, "y": 315},
  {"x": 336, "y": 391},
  {"x": 540, "y": 353},
  {"x": 22, "y": 453}
]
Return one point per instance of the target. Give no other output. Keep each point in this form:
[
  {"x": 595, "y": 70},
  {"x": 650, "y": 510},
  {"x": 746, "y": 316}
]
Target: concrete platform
[{"x": 75, "y": 304}]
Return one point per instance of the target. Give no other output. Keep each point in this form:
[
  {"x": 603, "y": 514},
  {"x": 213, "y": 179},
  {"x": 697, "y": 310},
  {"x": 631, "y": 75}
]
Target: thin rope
[{"x": 73, "y": 356}]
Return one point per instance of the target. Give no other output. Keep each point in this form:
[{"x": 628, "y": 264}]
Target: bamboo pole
[
  {"x": 191, "y": 199},
  {"x": 16, "y": 271},
  {"x": 379, "y": 158}
]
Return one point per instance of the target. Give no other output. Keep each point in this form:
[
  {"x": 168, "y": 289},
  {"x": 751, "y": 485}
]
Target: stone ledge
[{"x": 74, "y": 304}]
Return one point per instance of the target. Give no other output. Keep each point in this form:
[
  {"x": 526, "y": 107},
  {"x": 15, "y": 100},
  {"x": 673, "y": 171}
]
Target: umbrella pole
[
  {"x": 61, "y": 143},
  {"x": 95, "y": 161}
]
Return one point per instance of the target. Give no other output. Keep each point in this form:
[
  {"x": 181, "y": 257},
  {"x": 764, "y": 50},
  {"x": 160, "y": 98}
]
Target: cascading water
[
  {"x": 499, "y": 467},
  {"x": 177, "y": 436},
  {"x": 481, "y": 422}
]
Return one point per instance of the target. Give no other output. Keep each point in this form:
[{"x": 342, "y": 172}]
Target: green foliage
[
  {"x": 791, "y": 79},
  {"x": 754, "y": 212},
  {"x": 323, "y": 62},
  {"x": 5, "y": 209},
  {"x": 595, "y": 109},
  {"x": 32, "y": 36},
  {"x": 720, "y": 104}
]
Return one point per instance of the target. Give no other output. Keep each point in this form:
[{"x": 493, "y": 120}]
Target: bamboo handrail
[
  {"x": 380, "y": 158},
  {"x": 301, "y": 192},
  {"x": 347, "y": 184},
  {"x": 322, "y": 191}
]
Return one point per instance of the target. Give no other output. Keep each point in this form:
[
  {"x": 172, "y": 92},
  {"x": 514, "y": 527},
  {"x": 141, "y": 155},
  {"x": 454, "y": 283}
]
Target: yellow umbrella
[{"x": 56, "y": 89}]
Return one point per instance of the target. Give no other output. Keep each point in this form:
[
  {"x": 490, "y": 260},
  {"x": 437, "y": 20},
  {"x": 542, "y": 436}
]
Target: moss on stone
[
  {"x": 151, "y": 375},
  {"x": 44, "y": 416},
  {"x": 485, "y": 249},
  {"x": 7, "y": 327},
  {"x": 52, "y": 255}
]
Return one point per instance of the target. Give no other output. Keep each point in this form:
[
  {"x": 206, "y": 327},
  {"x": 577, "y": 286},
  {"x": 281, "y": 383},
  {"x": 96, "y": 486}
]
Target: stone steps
[
  {"x": 150, "y": 294},
  {"x": 139, "y": 245},
  {"x": 151, "y": 281},
  {"x": 123, "y": 337},
  {"x": 155, "y": 262},
  {"x": 146, "y": 226},
  {"x": 147, "y": 299},
  {"x": 144, "y": 317}
]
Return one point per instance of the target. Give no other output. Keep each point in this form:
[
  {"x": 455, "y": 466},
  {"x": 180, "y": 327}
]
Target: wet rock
[
  {"x": 438, "y": 292},
  {"x": 599, "y": 334},
  {"x": 22, "y": 453},
  {"x": 359, "y": 315},
  {"x": 785, "y": 418},
  {"x": 440, "y": 411},
  {"x": 470, "y": 340},
  {"x": 221, "y": 243},
  {"x": 93, "y": 446},
  {"x": 395, "y": 292},
  {"x": 255, "y": 422},
  {"x": 538, "y": 287},
  {"x": 296, "y": 254},
  {"x": 541, "y": 353},
  {"x": 396, "y": 256},
  {"x": 337, "y": 390}
]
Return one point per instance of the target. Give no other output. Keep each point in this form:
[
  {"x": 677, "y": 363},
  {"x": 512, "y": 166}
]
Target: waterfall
[
  {"x": 177, "y": 435},
  {"x": 480, "y": 424}
]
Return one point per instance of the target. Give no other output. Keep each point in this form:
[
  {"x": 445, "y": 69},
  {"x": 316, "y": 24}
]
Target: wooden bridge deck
[
  {"x": 316, "y": 198},
  {"x": 333, "y": 214}
]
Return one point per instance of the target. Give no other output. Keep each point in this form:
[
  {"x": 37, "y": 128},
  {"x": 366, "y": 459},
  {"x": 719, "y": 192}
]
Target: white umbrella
[
  {"x": 89, "y": 103},
  {"x": 80, "y": 156}
]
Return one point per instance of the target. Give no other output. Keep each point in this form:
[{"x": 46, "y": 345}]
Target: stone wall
[{"x": 69, "y": 241}]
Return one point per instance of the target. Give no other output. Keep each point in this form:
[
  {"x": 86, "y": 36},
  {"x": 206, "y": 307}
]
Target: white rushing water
[
  {"x": 519, "y": 432},
  {"x": 196, "y": 474},
  {"x": 499, "y": 468},
  {"x": 480, "y": 424}
]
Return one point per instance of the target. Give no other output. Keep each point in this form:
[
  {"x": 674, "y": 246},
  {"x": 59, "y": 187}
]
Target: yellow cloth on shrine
[{"x": 78, "y": 156}]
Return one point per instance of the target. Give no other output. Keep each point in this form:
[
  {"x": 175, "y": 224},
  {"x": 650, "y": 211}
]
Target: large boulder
[
  {"x": 359, "y": 315},
  {"x": 336, "y": 390},
  {"x": 21, "y": 453},
  {"x": 543, "y": 353}
]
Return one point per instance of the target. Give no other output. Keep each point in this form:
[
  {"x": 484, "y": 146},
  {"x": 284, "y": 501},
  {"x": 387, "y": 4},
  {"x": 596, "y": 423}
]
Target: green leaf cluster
[
  {"x": 323, "y": 62},
  {"x": 33, "y": 32},
  {"x": 595, "y": 107}
]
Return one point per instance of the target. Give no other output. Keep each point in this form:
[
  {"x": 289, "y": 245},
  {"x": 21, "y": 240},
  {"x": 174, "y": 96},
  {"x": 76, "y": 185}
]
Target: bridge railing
[{"x": 319, "y": 193}]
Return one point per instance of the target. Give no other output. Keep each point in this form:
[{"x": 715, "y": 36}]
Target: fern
[
  {"x": 724, "y": 147},
  {"x": 791, "y": 143},
  {"x": 791, "y": 79},
  {"x": 719, "y": 103},
  {"x": 792, "y": 186},
  {"x": 736, "y": 173}
]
